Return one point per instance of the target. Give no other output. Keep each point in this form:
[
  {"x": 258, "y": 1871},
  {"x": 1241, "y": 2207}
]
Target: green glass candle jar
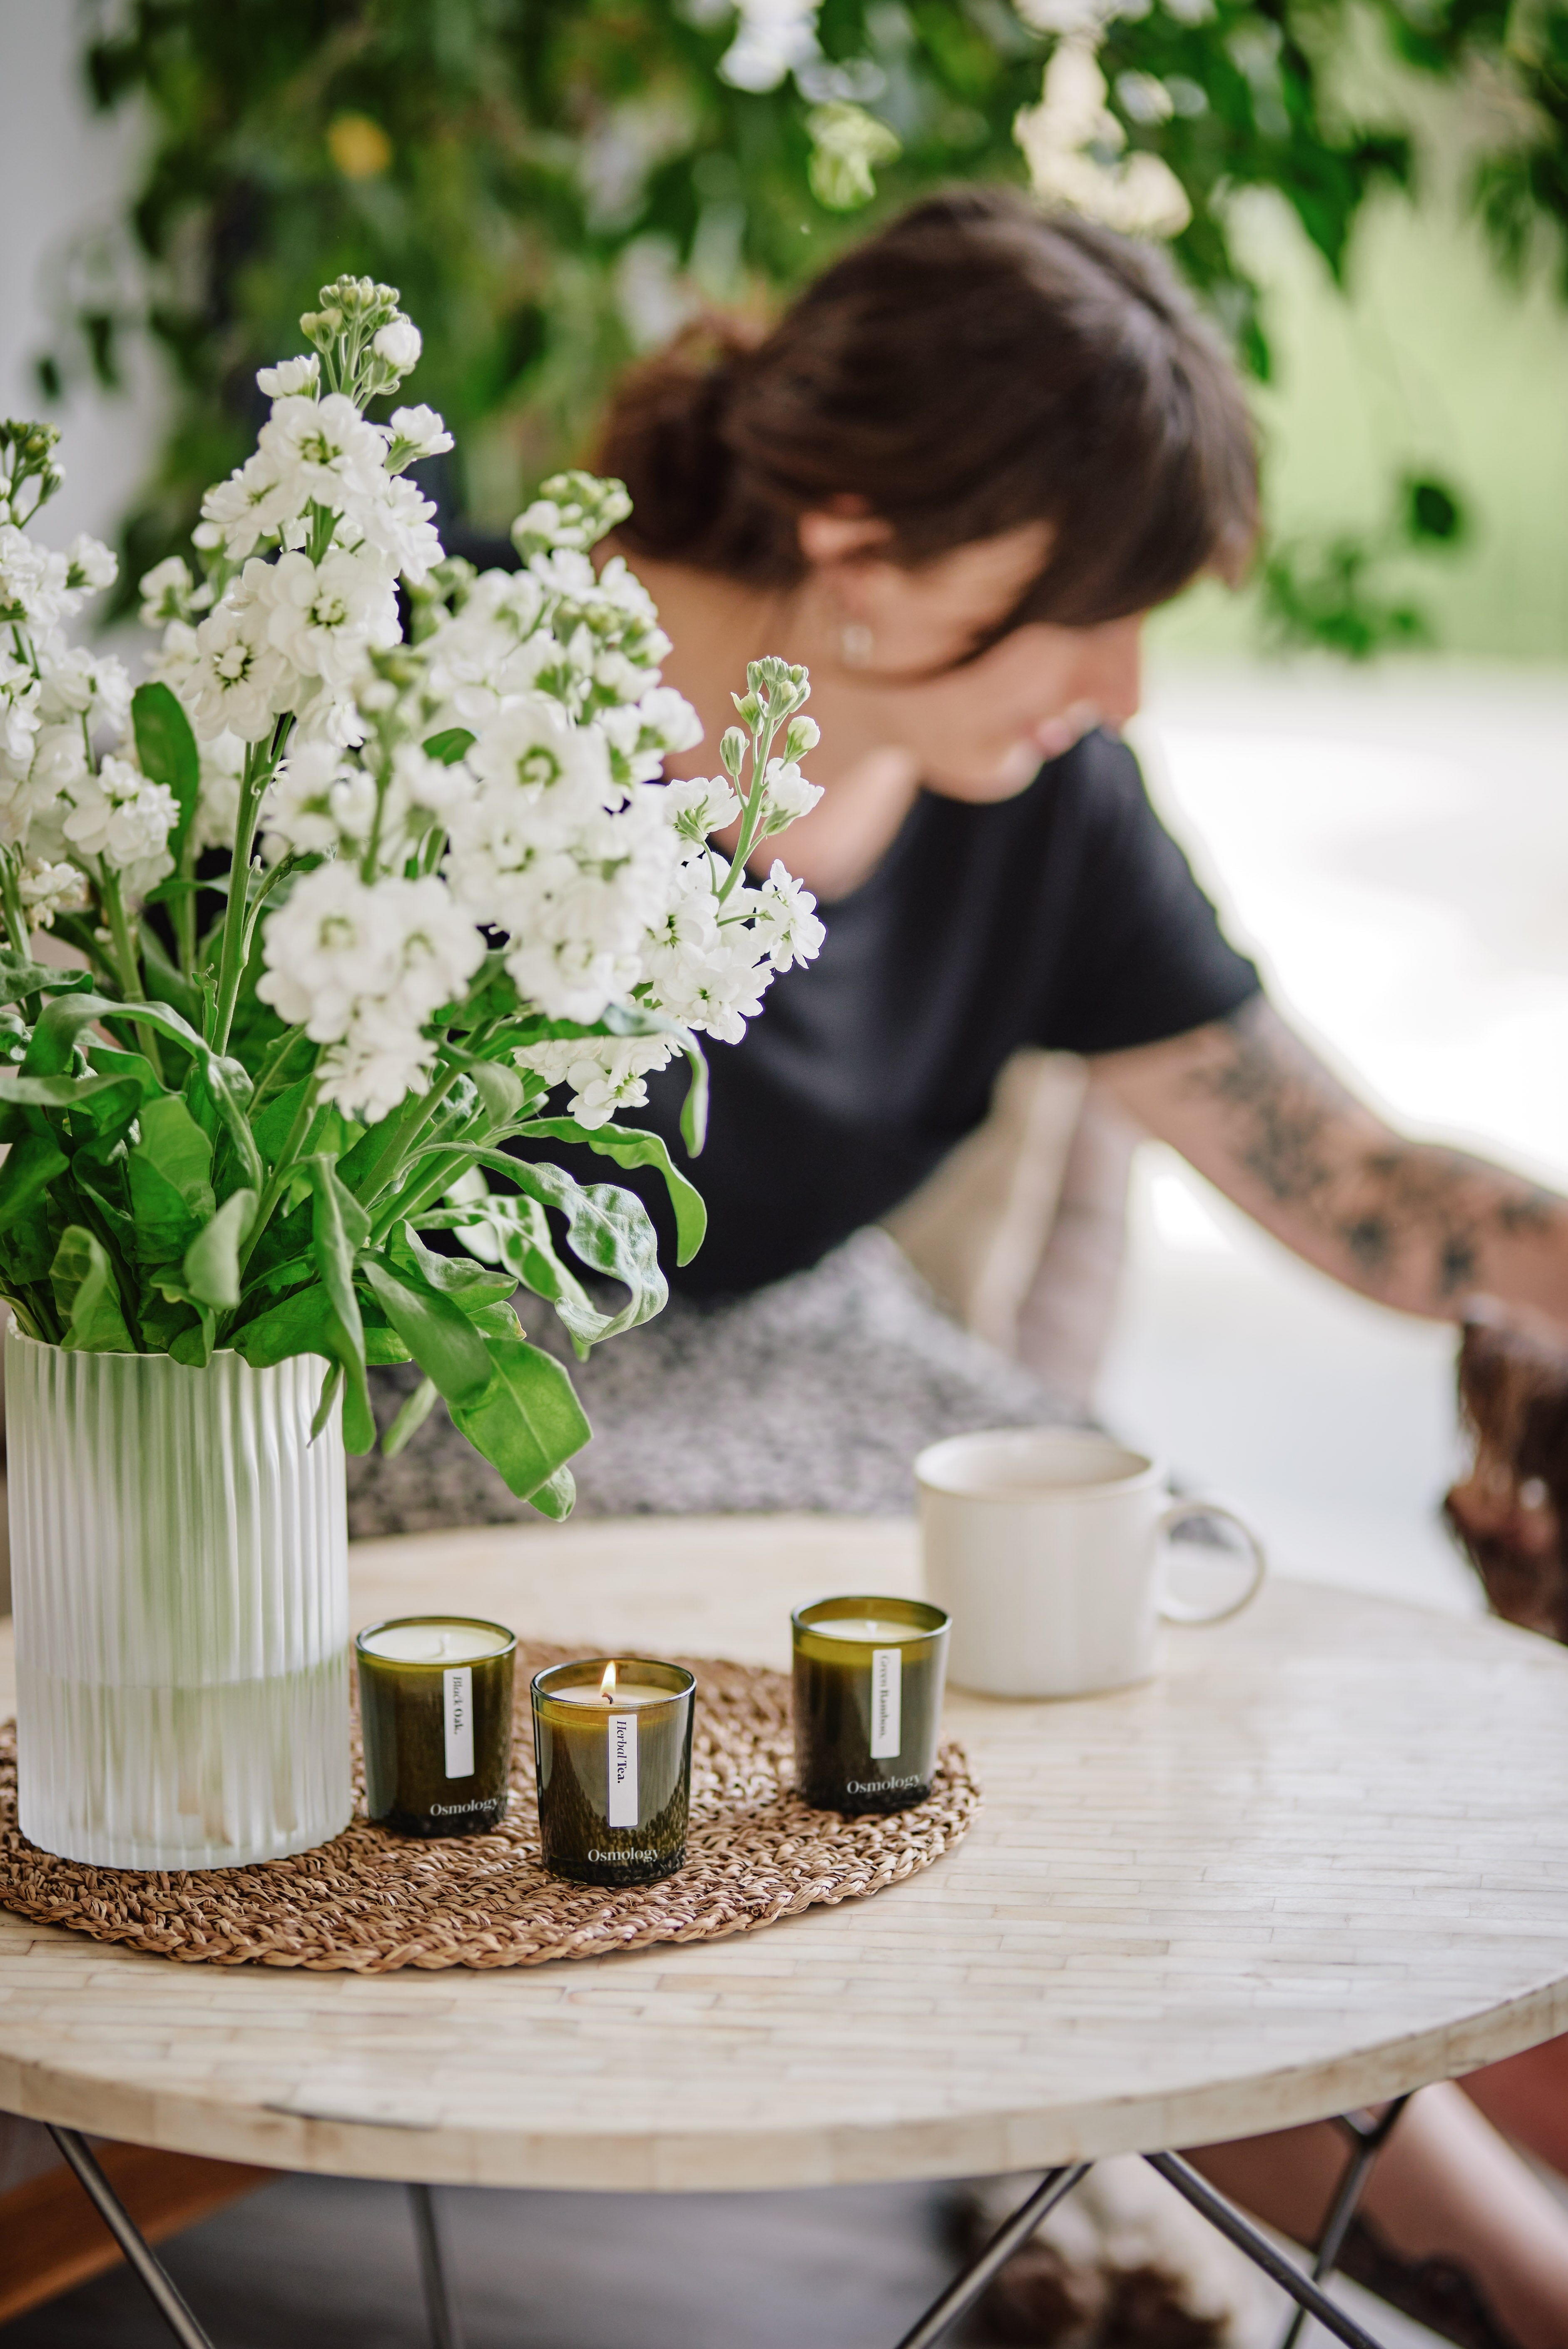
[
  {"x": 869, "y": 1676},
  {"x": 435, "y": 1709},
  {"x": 612, "y": 1741}
]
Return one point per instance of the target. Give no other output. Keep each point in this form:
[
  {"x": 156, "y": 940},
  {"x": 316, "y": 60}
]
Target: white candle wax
[
  {"x": 436, "y": 1644},
  {"x": 872, "y": 1628}
]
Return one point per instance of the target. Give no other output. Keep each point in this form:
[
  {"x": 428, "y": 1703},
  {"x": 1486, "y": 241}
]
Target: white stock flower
[
  {"x": 397, "y": 519},
  {"x": 322, "y": 615},
  {"x": 322, "y": 452},
  {"x": 785, "y": 916},
  {"x": 34, "y": 584},
  {"x": 48, "y": 889},
  {"x": 789, "y": 795},
  {"x": 399, "y": 343},
  {"x": 532, "y": 743},
  {"x": 19, "y": 715},
  {"x": 289, "y": 377},
  {"x": 253, "y": 504},
  {"x": 1065, "y": 137},
  {"x": 121, "y": 816},
  {"x": 417, "y": 432},
  {"x": 218, "y": 793},
  {"x": 364, "y": 967},
  {"x": 166, "y": 591},
  {"x": 90, "y": 564},
  {"x": 317, "y": 803},
  {"x": 605, "y": 1072},
  {"x": 240, "y": 682},
  {"x": 700, "y": 805}
]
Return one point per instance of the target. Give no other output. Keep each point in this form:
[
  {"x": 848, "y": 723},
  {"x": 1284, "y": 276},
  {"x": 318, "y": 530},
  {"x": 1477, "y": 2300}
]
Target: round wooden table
[{"x": 1322, "y": 1860}]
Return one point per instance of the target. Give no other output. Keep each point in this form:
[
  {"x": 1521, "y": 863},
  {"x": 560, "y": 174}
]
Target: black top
[{"x": 1067, "y": 918}]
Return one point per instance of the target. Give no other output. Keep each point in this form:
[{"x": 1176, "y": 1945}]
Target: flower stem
[
  {"x": 126, "y": 963},
  {"x": 260, "y": 766}
]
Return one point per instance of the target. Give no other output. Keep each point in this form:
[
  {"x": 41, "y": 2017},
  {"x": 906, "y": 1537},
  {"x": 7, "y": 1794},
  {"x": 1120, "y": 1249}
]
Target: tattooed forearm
[{"x": 1255, "y": 1110}]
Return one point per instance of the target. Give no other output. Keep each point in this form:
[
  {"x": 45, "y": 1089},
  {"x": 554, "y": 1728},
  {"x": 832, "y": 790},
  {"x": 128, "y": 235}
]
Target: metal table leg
[
  {"x": 967, "y": 2289},
  {"x": 160, "y": 2285},
  {"x": 445, "y": 2325},
  {"x": 1368, "y": 2137},
  {"x": 1249, "y": 2239}
]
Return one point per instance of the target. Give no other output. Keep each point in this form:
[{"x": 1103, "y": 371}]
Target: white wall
[{"x": 62, "y": 172}]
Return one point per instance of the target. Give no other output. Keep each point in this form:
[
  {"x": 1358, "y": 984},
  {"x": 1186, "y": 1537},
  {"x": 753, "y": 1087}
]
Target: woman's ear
[{"x": 841, "y": 532}]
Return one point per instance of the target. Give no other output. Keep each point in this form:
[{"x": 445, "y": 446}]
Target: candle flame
[{"x": 607, "y": 1685}]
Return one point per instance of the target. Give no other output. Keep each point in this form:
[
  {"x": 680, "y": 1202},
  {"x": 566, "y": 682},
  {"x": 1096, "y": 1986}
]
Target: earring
[{"x": 856, "y": 643}]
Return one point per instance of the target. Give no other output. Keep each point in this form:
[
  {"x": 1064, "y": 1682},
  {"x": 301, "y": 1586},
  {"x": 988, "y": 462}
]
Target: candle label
[
  {"x": 887, "y": 1692},
  {"x": 457, "y": 1687},
  {"x": 621, "y": 1731}
]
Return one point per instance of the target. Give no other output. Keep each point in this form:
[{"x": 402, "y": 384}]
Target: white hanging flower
[
  {"x": 91, "y": 565},
  {"x": 397, "y": 519}
]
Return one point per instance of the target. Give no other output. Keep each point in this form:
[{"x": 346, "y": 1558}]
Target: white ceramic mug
[{"x": 1046, "y": 1547}]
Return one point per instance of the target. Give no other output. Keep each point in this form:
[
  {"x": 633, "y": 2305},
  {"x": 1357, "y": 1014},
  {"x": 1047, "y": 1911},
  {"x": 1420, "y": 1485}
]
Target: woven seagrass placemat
[{"x": 369, "y": 1903}]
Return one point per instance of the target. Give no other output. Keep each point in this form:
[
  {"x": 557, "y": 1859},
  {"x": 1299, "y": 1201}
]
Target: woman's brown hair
[{"x": 976, "y": 365}]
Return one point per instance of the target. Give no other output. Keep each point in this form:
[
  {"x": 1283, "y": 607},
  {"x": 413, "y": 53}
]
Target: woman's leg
[
  {"x": 1446, "y": 2186},
  {"x": 1527, "y": 2098}
]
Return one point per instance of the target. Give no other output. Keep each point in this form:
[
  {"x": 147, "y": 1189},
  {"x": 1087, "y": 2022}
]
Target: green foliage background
[{"x": 542, "y": 178}]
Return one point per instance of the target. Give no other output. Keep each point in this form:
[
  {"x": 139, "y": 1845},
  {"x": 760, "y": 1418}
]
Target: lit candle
[
  {"x": 612, "y": 1742},
  {"x": 435, "y": 1707},
  {"x": 869, "y": 1676}
]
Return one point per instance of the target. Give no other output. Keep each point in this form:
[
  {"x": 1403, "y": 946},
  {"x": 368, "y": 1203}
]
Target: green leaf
[
  {"x": 167, "y": 749},
  {"x": 304, "y": 1323},
  {"x": 629, "y": 1146},
  {"x": 520, "y": 1228},
  {"x": 61, "y": 1023},
  {"x": 529, "y": 1421},
  {"x": 454, "y": 1276},
  {"x": 500, "y": 1090},
  {"x": 86, "y": 1296},
  {"x": 410, "y": 1418},
  {"x": 607, "y": 1228},
  {"x": 449, "y": 746},
  {"x": 19, "y": 977},
  {"x": 170, "y": 1171},
  {"x": 212, "y": 1258},
  {"x": 329, "y": 1387},
  {"x": 31, "y": 1167},
  {"x": 436, "y": 1333},
  {"x": 194, "y": 1345},
  {"x": 57, "y": 1091},
  {"x": 339, "y": 1226},
  {"x": 557, "y": 1496}
]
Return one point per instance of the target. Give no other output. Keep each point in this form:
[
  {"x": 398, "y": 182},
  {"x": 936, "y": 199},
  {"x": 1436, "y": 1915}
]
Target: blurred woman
[{"x": 952, "y": 479}]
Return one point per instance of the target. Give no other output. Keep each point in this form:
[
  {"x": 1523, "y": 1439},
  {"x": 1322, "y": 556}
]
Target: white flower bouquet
[{"x": 462, "y": 919}]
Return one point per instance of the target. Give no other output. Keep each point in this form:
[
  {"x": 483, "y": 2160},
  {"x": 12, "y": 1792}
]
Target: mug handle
[{"x": 1175, "y": 1610}]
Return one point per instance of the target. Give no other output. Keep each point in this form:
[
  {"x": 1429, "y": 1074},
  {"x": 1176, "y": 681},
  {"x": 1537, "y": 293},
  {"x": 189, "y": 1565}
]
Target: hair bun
[{"x": 665, "y": 437}]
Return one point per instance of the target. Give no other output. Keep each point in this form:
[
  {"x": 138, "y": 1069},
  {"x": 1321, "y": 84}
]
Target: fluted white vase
[{"x": 180, "y": 1581}]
